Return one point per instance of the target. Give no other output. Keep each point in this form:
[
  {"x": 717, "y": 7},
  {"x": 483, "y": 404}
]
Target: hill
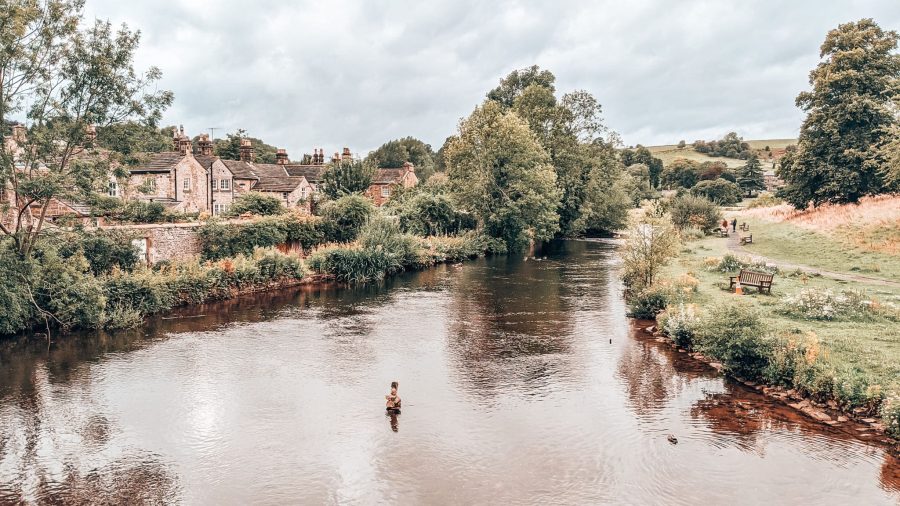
[{"x": 668, "y": 153}]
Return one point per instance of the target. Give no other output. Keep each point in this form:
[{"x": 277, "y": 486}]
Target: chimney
[
  {"x": 409, "y": 167},
  {"x": 281, "y": 157},
  {"x": 336, "y": 157},
  {"x": 246, "y": 150},
  {"x": 205, "y": 145},
  {"x": 182, "y": 142},
  {"x": 319, "y": 157},
  {"x": 346, "y": 156}
]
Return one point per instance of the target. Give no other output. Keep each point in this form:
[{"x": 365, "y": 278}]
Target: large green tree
[
  {"x": 643, "y": 156},
  {"x": 750, "y": 177},
  {"x": 850, "y": 114},
  {"x": 64, "y": 78},
  {"x": 395, "y": 153},
  {"x": 346, "y": 178},
  {"x": 229, "y": 148},
  {"x": 132, "y": 137},
  {"x": 501, "y": 174},
  {"x": 514, "y": 84}
]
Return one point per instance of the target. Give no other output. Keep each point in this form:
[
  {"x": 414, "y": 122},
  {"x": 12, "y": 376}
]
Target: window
[
  {"x": 151, "y": 185},
  {"x": 303, "y": 192},
  {"x": 385, "y": 191},
  {"x": 214, "y": 181},
  {"x": 112, "y": 189},
  {"x": 225, "y": 184},
  {"x": 187, "y": 185}
]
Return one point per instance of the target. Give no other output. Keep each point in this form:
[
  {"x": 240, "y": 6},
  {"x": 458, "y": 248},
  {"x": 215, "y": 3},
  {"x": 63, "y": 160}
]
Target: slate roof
[
  {"x": 241, "y": 170},
  {"x": 263, "y": 170},
  {"x": 284, "y": 184},
  {"x": 160, "y": 162},
  {"x": 312, "y": 173},
  {"x": 388, "y": 176},
  {"x": 206, "y": 161}
]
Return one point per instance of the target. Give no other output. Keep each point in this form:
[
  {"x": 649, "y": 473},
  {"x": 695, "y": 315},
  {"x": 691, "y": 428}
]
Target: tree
[
  {"x": 393, "y": 154},
  {"x": 229, "y": 148},
  {"x": 65, "y": 80},
  {"x": 256, "y": 203},
  {"x": 720, "y": 191},
  {"x": 501, "y": 174},
  {"x": 750, "y": 176},
  {"x": 515, "y": 83},
  {"x": 346, "y": 178},
  {"x": 131, "y": 137},
  {"x": 681, "y": 172},
  {"x": 681, "y": 144},
  {"x": 849, "y": 115},
  {"x": 643, "y": 156},
  {"x": 651, "y": 242}
]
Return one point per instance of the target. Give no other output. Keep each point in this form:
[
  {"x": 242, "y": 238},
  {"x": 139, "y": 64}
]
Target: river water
[{"x": 522, "y": 382}]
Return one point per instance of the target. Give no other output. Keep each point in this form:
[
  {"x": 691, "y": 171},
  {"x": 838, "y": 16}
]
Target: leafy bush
[
  {"x": 16, "y": 310},
  {"x": 689, "y": 211},
  {"x": 138, "y": 211},
  {"x": 734, "y": 334},
  {"x": 343, "y": 218},
  {"x": 732, "y": 263},
  {"x": 679, "y": 323},
  {"x": 354, "y": 264},
  {"x": 649, "y": 303},
  {"x": 383, "y": 233},
  {"x": 256, "y": 203},
  {"x": 825, "y": 304},
  {"x": 428, "y": 214},
  {"x": 720, "y": 191},
  {"x": 651, "y": 242},
  {"x": 765, "y": 199},
  {"x": 104, "y": 250},
  {"x": 890, "y": 415},
  {"x": 66, "y": 289},
  {"x": 221, "y": 240}
]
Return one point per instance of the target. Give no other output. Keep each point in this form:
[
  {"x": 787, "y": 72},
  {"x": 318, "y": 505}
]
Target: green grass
[
  {"x": 790, "y": 243},
  {"x": 873, "y": 346},
  {"x": 668, "y": 153}
]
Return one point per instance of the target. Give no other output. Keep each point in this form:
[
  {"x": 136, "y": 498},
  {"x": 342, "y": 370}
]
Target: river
[{"x": 522, "y": 382}]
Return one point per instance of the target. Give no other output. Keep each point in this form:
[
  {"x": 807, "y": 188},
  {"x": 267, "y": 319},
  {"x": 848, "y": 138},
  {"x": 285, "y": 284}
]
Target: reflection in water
[{"x": 523, "y": 383}]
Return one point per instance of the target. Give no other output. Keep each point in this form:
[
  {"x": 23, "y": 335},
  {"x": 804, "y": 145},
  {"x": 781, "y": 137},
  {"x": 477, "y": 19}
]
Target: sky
[{"x": 303, "y": 74}]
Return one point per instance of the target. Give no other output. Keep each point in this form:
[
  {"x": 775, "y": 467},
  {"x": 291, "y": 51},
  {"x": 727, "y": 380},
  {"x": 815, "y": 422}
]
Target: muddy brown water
[{"x": 522, "y": 382}]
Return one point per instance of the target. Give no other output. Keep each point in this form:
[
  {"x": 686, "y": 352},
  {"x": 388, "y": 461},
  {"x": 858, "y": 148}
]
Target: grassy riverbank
[{"x": 835, "y": 341}]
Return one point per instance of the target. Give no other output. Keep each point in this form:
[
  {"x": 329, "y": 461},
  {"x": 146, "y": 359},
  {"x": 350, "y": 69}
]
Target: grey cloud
[{"x": 345, "y": 73}]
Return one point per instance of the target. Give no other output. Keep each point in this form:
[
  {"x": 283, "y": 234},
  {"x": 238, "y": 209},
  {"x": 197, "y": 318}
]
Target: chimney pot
[
  {"x": 246, "y": 150},
  {"x": 281, "y": 156}
]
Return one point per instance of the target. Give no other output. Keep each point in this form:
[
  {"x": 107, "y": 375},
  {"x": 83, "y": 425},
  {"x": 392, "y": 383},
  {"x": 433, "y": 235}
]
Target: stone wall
[{"x": 165, "y": 241}]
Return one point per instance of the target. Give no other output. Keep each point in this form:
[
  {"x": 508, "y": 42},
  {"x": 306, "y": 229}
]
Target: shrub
[
  {"x": 104, "y": 250},
  {"x": 765, "y": 199},
  {"x": 383, "y": 233},
  {"x": 734, "y": 334},
  {"x": 221, "y": 240},
  {"x": 890, "y": 415},
  {"x": 144, "y": 212},
  {"x": 651, "y": 242},
  {"x": 732, "y": 263},
  {"x": 649, "y": 303},
  {"x": 693, "y": 212},
  {"x": 256, "y": 203},
  {"x": 66, "y": 289},
  {"x": 342, "y": 218},
  {"x": 720, "y": 191},
  {"x": 353, "y": 264},
  {"x": 428, "y": 214},
  {"x": 16, "y": 310},
  {"x": 680, "y": 323},
  {"x": 825, "y": 304}
]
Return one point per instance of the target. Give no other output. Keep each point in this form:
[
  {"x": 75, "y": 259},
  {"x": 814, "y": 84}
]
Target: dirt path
[{"x": 735, "y": 246}]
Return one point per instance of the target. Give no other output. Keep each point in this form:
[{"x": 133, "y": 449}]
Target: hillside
[{"x": 670, "y": 152}]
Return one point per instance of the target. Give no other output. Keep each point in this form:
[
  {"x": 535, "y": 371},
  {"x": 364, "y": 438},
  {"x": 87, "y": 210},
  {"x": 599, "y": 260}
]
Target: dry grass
[{"x": 873, "y": 224}]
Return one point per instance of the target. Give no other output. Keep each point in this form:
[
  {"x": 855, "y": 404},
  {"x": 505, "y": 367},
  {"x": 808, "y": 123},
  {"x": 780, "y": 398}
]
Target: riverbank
[{"x": 830, "y": 347}]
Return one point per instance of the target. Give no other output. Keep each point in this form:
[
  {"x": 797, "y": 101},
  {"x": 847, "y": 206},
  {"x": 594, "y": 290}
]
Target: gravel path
[{"x": 734, "y": 245}]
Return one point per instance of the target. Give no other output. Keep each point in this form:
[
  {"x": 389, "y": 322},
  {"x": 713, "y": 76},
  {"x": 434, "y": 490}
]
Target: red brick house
[{"x": 387, "y": 181}]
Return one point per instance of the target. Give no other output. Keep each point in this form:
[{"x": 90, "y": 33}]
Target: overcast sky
[{"x": 358, "y": 73}]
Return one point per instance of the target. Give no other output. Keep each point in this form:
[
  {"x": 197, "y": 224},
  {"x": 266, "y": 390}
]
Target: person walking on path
[
  {"x": 725, "y": 225},
  {"x": 734, "y": 224}
]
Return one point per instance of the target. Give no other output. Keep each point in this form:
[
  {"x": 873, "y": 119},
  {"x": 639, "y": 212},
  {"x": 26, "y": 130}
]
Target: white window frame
[
  {"x": 186, "y": 185},
  {"x": 151, "y": 184},
  {"x": 112, "y": 189},
  {"x": 225, "y": 185},
  {"x": 385, "y": 192},
  {"x": 214, "y": 184}
]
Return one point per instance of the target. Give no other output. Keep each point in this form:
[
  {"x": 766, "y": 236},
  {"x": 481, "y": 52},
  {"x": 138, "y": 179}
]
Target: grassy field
[
  {"x": 669, "y": 153},
  {"x": 873, "y": 346}
]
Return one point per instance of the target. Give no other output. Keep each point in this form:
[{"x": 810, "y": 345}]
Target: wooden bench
[
  {"x": 723, "y": 232},
  {"x": 744, "y": 227},
  {"x": 747, "y": 239},
  {"x": 760, "y": 280}
]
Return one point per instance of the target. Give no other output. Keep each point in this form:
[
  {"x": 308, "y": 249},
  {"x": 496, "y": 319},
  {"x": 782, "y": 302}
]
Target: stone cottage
[
  {"x": 175, "y": 178},
  {"x": 387, "y": 181}
]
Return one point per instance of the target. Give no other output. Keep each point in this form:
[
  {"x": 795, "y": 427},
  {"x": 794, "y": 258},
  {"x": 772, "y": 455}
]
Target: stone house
[
  {"x": 387, "y": 181},
  {"x": 175, "y": 179}
]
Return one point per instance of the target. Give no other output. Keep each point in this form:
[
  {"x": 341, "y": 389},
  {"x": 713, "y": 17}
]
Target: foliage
[
  {"x": 651, "y": 242},
  {"x": 229, "y": 148},
  {"x": 343, "y": 218},
  {"x": 680, "y": 324},
  {"x": 64, "y": 290},
  {"x": 515, "y": 83},
  {"x": 256, "y": 203},
  {"x": 890, "y": 415},
  {"x": 65, "y": 76},
  {"x": 750, "y": 176},
  {"x": 220, "y": 240},
  {"x": 347, "y": 178},
  {"x": 131, "y": 137},
  {"x": 383, "y": 233},
  {"x": 734, "y": 334},
  {"x": 501, "y": 175},
  {"x": 689, "y": 211},
  {"x": 104, "y": 250},
  {"x": 720, "y": 191},
  {"x": 428, "y": 213},
  {"x": 643, "y": 156},
  {"x": 826, "y": 304},
  {"x": 16, "y": 309},
  {"x": 765, "y": 199},
  {"x": 850, "y": 115},
  {"x": 393, "y": 154},
  {"x": 730, "y": 146},
  {"x": 680, "y": 173},
  {"x": 731, "y": 263},
  {"x": 649, "y": 302}
]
